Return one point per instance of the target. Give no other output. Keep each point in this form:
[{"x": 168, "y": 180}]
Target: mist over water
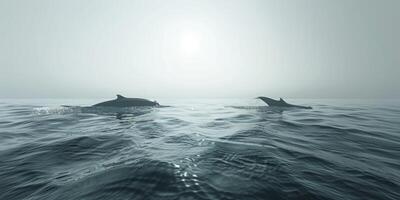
[
  {"x": 200, "y": 149},
  {"x": 199, "y": 49}
]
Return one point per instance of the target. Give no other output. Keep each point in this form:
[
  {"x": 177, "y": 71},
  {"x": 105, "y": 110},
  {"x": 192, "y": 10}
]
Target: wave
[{"x": 198, "y": 151}]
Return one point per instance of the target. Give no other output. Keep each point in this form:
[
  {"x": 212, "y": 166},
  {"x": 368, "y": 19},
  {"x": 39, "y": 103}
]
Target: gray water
[{"x": 200, "y": 149}]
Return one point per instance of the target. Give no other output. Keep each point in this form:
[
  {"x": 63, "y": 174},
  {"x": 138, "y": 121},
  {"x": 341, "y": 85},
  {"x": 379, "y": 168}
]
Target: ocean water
[{"x": 200, "y": 149}]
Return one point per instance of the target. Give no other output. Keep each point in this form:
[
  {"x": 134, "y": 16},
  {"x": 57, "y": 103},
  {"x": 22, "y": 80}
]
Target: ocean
[{"x": 200, "y": 149}]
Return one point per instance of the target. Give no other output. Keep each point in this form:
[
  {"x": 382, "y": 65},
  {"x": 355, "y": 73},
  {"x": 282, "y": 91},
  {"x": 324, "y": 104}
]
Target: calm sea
[{"x": 200, "y": 149}]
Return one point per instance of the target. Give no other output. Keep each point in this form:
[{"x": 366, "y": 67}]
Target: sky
[{"x": 200, "y": 48}]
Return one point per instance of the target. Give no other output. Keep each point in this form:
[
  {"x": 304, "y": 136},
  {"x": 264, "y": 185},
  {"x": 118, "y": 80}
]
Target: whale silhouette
[
  {"x": 281, "y": 103},
  {"x": 122, "y": 101}
]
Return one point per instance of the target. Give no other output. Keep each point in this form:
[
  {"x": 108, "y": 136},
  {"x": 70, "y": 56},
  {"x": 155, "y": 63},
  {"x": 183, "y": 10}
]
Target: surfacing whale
[
  {"x": 122, "y": 101},
  {"x": 281, "y": 103}
]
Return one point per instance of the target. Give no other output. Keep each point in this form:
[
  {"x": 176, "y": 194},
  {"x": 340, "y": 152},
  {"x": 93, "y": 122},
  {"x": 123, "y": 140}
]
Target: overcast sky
[{"x": 183, "y": 48}]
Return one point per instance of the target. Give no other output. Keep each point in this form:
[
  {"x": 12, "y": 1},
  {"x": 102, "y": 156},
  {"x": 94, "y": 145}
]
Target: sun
[{"x": 189, "y": 43}]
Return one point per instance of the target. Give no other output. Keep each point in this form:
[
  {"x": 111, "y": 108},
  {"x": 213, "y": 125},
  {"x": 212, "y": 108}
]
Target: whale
[
  {"x": 281, "y": 103},
  {"x": 122, "y": 101}
]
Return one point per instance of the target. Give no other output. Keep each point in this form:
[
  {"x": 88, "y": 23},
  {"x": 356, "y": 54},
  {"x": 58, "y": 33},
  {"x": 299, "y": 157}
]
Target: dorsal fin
[
  {"x": 120, "y": 96},
  {"x": 281, "y": 100}
]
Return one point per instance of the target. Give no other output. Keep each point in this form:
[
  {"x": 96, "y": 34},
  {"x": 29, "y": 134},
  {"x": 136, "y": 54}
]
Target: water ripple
[{"x": 208, "y": 149}]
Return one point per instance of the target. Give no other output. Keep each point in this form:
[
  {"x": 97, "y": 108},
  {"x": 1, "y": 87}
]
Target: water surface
[{"x": 200, "y": 149}]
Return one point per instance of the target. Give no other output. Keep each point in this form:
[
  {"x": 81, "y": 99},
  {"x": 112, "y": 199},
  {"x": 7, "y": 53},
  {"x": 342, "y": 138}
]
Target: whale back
[
  {"x": 122, "y": 101},
  {"x": 273, "y": 102},
  {"x": 280, "y": 103}
]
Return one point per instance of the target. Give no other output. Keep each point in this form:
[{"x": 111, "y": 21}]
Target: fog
[{"x": 185, "y": 49}]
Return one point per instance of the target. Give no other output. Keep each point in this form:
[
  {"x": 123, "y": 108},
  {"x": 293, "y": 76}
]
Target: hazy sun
[{"x": 190, "y": 43}]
